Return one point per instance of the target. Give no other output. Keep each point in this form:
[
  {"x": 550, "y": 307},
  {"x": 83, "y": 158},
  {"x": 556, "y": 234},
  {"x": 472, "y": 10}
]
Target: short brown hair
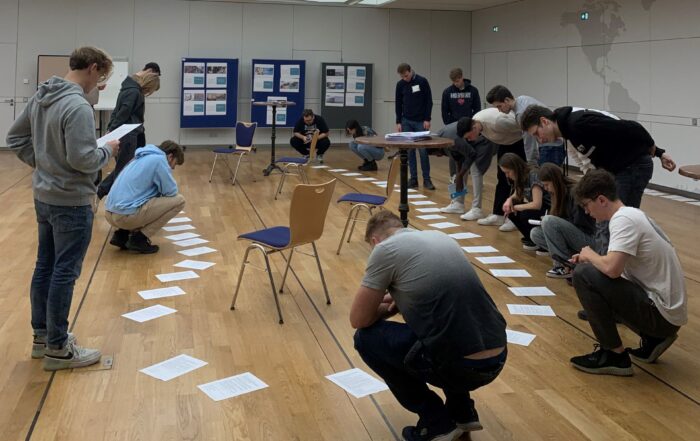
[
  {"x": 380, "y": 222},
  {"x": 456, "y": 74},
  {"x": 403, "y": 67},
  {"x": 175, "y": 149},
  {"x": 83, "y": 57},
  {"x": 596, "y": 183},
  {"x": 149, "y": 82},
  {"x": 307, "y": 112}
]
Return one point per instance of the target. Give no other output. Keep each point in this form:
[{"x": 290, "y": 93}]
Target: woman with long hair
[
  {"x": 369, "y": 153},
  {"x": 528, "y": 199},
  {"x": 567, "y": 228}
]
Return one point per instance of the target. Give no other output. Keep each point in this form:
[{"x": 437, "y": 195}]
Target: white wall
[
  {"x": 166, "y": 30},
  {"x": 636, "y": 58}
]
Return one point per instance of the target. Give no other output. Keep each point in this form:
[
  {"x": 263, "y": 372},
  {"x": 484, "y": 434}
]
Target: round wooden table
[
  {"x": 690, "y": 171},
  {"x": 403, "y": 146}
]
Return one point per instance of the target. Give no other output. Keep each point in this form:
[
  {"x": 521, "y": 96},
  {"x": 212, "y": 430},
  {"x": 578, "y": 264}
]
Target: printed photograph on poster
[
  {"x": 356, "y": 85},
  {"x": 334, "y": 99},
  {"x": 354, "y": 99},
  {"x": 335, "y": 86},
  {"x": 216, "y": 75},
  {"x": 357, "y": 72},
  {"x": 290, "y": 76},
  {"x": 193, "y": 75},
  {"x": 281, "y": 111},
  {"x": 335, "y": 71},
  {"x": 216, "y": 103},
  {"x": 263, "y": 77},
  {"x": 193, "y": 102},
  {"x": 289, "y": 86},
  {"x": 335, "y": 78}
]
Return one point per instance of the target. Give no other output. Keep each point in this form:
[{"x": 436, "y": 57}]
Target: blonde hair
[{"x": 149, "y": 82}]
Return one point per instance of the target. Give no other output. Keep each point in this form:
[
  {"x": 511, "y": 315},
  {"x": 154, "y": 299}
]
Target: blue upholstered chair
[
  {"x": 307, "y": 216},
  {"x": 368, "y": 201},
  {"x": 291, "y": 165},
  {"x": 244, "y": 147}
]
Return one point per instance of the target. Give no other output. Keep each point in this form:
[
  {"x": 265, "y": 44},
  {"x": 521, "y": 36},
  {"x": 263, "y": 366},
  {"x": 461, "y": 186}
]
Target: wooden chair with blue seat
[
  {"x": 307, "y": 216},
  {"x": 368, "y": 201},
  {"x": 291, "y": 165},
  {"x": 244, "y": 147}
]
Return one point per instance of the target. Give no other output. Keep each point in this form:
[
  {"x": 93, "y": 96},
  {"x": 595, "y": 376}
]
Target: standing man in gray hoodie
[{"x": 55, "y": 135}]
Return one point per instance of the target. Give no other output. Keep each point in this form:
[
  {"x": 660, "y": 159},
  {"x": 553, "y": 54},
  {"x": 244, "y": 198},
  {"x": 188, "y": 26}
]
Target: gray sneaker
[
  {"x": 39, "y": 345},
  {"x": 71, "y": 356}
]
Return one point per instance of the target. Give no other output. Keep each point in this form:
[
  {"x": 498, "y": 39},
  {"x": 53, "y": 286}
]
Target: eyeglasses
[{"x": 584, "y": 203}]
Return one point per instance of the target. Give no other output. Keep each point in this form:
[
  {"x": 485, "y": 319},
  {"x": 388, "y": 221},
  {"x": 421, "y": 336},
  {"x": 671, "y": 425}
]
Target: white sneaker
[
  {"x": 454, "y": 207},
  {"x": 71, "y": 356},
  {"x": 491, "y": 219},
  {"x": 507, "y": 226},
  {"x": 473, "y": 214},
  {"x": 39, "y": 345}
]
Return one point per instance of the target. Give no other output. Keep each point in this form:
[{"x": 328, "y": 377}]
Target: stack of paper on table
[{"x": 407, "y": 136}]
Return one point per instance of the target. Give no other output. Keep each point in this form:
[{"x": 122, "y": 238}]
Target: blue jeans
[
  {"x": 64, "y": 236},
  {"x": 416, "y": 126},
  {"x": 386, "y": 347},
  {"x": 554, "y": 153},
  {"x": 367, "y": 152}
]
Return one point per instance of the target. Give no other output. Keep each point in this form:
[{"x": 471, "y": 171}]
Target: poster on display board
[
  {"x": 347, "y": 93},
  {"x": 277, "y": 80},
  {"x": 209, "y": 93}
]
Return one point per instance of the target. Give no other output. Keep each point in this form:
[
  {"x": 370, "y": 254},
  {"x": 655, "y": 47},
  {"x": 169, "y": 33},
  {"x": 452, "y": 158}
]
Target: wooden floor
[{"x": 537, "y": 397}]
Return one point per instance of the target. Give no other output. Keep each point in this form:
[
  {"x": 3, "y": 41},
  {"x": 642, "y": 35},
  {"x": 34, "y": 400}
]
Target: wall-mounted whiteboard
[{"x": 108, "y": 96}]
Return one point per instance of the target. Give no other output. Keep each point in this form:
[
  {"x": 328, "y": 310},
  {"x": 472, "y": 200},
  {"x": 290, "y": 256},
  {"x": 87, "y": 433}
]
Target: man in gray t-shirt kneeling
[{"x": 454, "y": 337}]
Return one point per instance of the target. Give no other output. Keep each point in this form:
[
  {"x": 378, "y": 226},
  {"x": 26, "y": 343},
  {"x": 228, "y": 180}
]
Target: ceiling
[{"x": 442, "y": 5}]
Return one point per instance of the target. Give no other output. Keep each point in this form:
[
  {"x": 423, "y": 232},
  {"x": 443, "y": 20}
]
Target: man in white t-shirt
[{"x": 639, "y": 281}]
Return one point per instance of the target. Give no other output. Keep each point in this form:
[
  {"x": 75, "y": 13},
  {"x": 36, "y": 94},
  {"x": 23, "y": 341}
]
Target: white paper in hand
[
  {"x": 357, "y": 382},
  {"x": 116, "y": 134}
]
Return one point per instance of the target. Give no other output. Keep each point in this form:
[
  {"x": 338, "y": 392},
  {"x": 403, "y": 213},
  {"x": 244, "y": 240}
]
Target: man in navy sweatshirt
[
  {"x": 414, "y": 105},
  {"x": 460, "y": 99}
]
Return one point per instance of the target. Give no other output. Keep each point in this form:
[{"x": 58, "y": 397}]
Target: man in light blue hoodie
[
  {"x": 144, "y": 197},
  {"x": 55, "y": 135}
]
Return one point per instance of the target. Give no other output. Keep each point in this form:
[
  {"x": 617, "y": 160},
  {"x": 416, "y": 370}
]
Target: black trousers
[
  {"x": 520, "y": 220},
  {"x": 503, "y": 187},
  {"x": 127, "y": 147},
  {"x": 321, "y": 146}
]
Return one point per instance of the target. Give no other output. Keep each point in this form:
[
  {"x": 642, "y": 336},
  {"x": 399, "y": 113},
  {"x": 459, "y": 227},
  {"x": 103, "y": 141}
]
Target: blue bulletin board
[
  {"x": 209, "y": 93},
  {"x": 278, "y": 78}
]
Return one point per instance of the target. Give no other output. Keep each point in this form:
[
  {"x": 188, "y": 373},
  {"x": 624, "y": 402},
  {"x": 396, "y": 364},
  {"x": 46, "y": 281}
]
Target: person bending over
[{"x": 370, "y": 154}]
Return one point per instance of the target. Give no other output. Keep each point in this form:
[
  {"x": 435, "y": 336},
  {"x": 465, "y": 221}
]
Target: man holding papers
[
  {"x": 55, "y": 135},
  {"x": 639, "y": 281},
  {"x": 144, "y": 197},
  {"x": 454, "y": 337}
]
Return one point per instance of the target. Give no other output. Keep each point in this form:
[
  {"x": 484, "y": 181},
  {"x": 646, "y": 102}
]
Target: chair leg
[
  {"x": 320, "y": 271},
  {"x": 216, "y": 156},
  {"x": 286, "y": 269},
  {"x": 230, "y": 172},
  {"x": 240, "y": 276},
  {"x": 303, "y": 176},
  {"x": 279, "y": 186},
  {"x": 354, "y": 221},
  {"x": 347, "y": 222},
  {"x": 274, "y": 291},
  {"x": 269, "y": 273},
  {"x": 240, "y": 158},
  {"x": 250, "y": 164}
]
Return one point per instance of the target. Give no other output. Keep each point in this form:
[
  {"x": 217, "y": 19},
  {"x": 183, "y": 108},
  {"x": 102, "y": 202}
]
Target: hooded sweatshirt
[
  {"x": 146, "y": 177},
  {"x": 55, "y": 135},
  {"x": 458, "y": 103},
  {"x": 130, "y": 106}
]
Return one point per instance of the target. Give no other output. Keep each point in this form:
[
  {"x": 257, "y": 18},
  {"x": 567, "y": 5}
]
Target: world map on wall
[{"x": 607, "y": 14}]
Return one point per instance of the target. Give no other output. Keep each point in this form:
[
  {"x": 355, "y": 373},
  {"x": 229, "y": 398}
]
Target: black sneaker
[
  {"x": 529, "y": 245},
  {"x": 428, "y": 184},
  {"x": 368, "y": 166},
  {"x": 604, "y": 362},
  {"x": 413, "y": 433},
  {"x": 413, "y": 183},
  {"x": 359, "y": 167},
  {"x": 471, "y": 422},
  {"x": 119, "y": 239},
  {"x": 651, "y": 348},
  {"x": 139, "y": 243}
]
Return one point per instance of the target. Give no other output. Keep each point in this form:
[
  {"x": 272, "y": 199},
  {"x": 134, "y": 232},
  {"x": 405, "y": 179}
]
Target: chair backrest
[
  {"x": 244, "y": 135},
  {"x": 307, "y": 213},
  {"x": 391, "y": 178},
  {"x": 312, "y": 148}
]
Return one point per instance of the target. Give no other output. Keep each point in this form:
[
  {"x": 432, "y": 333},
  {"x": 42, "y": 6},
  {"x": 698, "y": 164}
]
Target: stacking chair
[
  {"x": 307, "y": 216},
  {"x": 296, "y": 166},
  {"x": 244, "y": 146},
  {"x": 368, "y": 201}
]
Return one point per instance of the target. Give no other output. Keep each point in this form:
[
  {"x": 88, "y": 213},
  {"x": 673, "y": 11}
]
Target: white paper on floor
[
  {"x": 490, "y": 260},
  {"x": 480, "y": 249},
  {"x": 465, "y": 235},
  {"x": 194, "y": 264},
  {"x": 181, "y": 275},
  {"x": 182, "y": 236},
  {"x": 695, "y": 203},
  {"x": 429, "y": 210},
  {"x": 357, "y": 382},
  {"x": 190, "y": 242},
  {"x": 319, "y": 166},
  {"x": 158, "y": 293},
  {"x": 519, "y": 338},
  {"x": 173, "y": 367},
  {"x": 409, "y": 190},
  {"x": 431, "y": 217},
  {"x": 423, "y": 203},
  {"x": 531, "y": 291},
  {"x": 352, "y": 174},
  {"x": 416, "y": 196},
  {"x": 232, "y": 386},
  {"x": 380, "y": 183},
  {"x": 443, "y": 225},
  {"x": 652, "y": 192},
  {"x": 182, "y": 212},
  {"x": 367, "y": 179},
  {"x": 179, "y": 220},
  {"x": 544, "y": 310},
  {"x": 196, "y": 251},
  {"x": 150, "y": 313},
  {"x": 179, "y": 228},
  {"x": 338, "y": 170},
  {"x": 510, "y": 273}
]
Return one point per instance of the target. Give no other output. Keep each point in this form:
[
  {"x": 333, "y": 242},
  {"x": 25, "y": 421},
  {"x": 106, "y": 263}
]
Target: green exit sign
[
  {"x": 584, "y": 16},
  {"x": 495, "y": 29}
]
